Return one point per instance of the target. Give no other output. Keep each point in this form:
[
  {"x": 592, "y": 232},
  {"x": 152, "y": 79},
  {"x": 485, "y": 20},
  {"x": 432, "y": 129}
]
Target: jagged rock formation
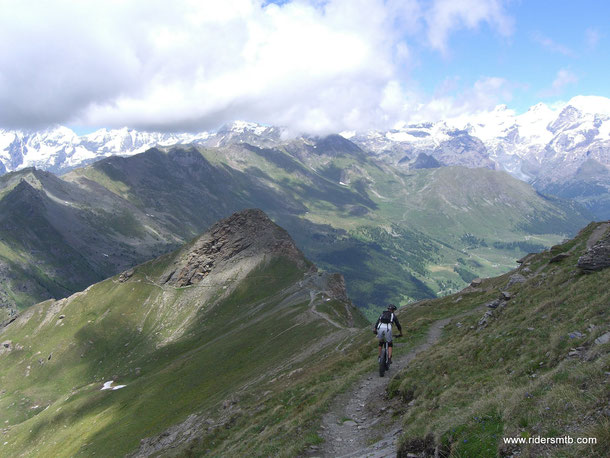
[
  {"x": 244, "y": 234},
  {"x": 597, "y": 257}
]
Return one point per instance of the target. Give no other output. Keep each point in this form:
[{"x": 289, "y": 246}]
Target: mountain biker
[{"x": 383, "y": 329}]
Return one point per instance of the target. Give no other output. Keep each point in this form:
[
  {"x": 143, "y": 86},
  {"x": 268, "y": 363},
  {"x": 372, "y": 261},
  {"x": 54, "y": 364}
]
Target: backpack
[{"x": 386, "y": 317}]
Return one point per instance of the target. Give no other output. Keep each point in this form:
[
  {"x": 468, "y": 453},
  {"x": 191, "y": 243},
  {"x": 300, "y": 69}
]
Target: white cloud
[
  {"x": 592, "y": 37},
  {"x": 446, "y": 16},
  {"x": 484, "y": 95},
  {"x": 552, "y": 45},
  {"x": 194, "y": 64},
  {"x": 562, "y": 79}
]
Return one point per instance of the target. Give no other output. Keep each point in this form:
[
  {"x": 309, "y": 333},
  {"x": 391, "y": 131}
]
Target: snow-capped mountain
[
  {"x": 59, "y": 149},
  {"x": 561, "y": 149},
  {"x": 543, "y": 142},
  {"x": 244, "y": 132}
]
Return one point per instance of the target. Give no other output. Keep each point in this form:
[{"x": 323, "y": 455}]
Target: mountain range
[
  {"x": 562, "y": 150},
  {"x": 397, "y": 235}
]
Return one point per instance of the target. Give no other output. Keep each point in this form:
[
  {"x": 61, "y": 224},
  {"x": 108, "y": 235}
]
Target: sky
[{"x": 313, "y": 66}]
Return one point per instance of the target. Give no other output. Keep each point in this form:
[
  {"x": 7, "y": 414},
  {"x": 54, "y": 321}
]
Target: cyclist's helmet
[{"x": 391, "y": 307}]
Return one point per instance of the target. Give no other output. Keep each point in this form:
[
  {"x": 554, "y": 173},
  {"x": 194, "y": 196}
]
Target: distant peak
[
  {"x": 242, "y": 126},
  {"x": 348, "y": 134},
  {"x": 592, "y": 104},
  {"x": 246, "y": 235},
  {"x": 538, "y": 107}
]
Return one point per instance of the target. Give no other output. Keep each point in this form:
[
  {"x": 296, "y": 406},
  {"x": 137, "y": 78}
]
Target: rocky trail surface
[{"x": 360, "y": 422}]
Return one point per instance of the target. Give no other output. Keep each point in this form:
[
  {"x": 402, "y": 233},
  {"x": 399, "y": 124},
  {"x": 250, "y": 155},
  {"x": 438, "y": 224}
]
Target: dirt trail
[{"x": 360, "y": 423}]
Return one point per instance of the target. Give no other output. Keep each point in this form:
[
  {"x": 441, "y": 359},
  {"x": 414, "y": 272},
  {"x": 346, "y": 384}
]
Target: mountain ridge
[
  {"x": 349, "y": 213},
  {"x": 521, "y": 144},
  {"x": 131, "y": 344}
]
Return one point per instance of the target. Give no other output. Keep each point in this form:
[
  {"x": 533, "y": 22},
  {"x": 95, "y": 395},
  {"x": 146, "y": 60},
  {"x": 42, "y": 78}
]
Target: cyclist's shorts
[{"x": 384, "y": 333}]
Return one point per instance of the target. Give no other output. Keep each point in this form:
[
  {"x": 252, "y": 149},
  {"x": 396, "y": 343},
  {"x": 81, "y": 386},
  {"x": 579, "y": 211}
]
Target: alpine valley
[{"x": 397, "y": 232}]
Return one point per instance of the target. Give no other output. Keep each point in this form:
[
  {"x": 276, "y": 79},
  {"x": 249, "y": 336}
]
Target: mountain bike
[{"x": 384, "y": 359}]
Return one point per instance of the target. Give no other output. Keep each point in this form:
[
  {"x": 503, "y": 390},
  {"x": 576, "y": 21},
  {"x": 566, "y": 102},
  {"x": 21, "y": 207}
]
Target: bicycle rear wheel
[{"x": 382, "y": 362}]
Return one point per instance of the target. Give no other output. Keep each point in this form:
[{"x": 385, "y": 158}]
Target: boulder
[
  {"x": 597, "y": 257},
  {"x": 515, "y": 278},
  {"x": 603, "y": 339},
  {"x": 126, "y": 275},
  {"x": 476, "y": 282},
  {"x": 485, "y": 319},
  {"x": 494, "y": 304},
  {"x": 576, "y": 352}
]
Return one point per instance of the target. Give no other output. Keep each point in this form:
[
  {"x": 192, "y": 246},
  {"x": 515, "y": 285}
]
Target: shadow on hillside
[
  {"x": 373, "y": 276},
  {"x": 226, "y": 346}
]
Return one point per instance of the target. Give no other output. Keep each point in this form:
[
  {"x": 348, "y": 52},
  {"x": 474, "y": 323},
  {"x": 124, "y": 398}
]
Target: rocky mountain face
[
  {"x": 147, "y": 350},
  {"x": 240, "y": 238}
]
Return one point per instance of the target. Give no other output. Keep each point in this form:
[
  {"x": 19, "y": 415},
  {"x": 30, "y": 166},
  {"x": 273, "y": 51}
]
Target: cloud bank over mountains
[{"x": 314, "y": 66}]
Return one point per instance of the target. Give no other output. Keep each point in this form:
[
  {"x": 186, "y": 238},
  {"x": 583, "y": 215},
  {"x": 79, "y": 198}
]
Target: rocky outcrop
[
  {"x": 245, "y": 234},
  {"x": 515, "y": 278},
  {"x": 424, "y": 161},
  {"x": 603, "y": 339},
  {"x": 596, "y": 257},
  {"x": 126, "y": 275},
  {"x": 337, "y": 288}
]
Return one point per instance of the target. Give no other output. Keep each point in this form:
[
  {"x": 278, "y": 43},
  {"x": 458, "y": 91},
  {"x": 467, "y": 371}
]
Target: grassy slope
[
  {"x": 57, "y": 238},
  {"x": 514, "y": 377},
  {"x": 51, "y": 401},
  {"x": 511, "y": 378},
  {"x": 38, "y": 259}
]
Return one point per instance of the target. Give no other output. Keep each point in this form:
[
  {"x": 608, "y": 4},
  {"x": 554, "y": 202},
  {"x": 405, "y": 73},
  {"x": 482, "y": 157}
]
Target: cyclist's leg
[
  {"x": 389, "y": 339},
  {"x": 381, "y": 338}
]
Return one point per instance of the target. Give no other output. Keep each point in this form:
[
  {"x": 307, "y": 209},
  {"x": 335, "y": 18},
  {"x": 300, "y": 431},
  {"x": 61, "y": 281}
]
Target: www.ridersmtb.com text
[{"x": 565, "y": 440}]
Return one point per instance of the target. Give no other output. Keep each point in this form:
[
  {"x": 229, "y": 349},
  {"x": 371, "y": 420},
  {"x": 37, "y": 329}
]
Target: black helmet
[{"x": 391, "y": 307}]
